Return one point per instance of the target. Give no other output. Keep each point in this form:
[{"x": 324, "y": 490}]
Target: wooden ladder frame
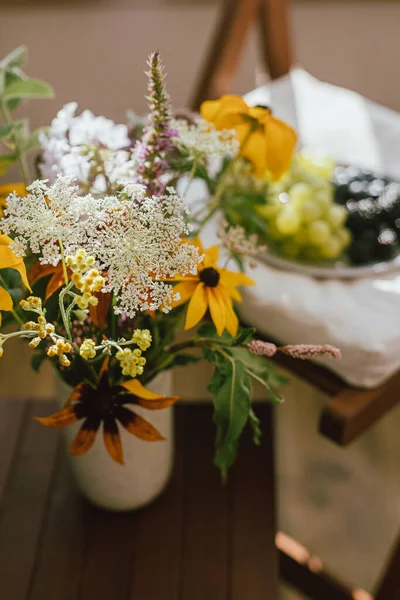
[{"x": 233, "y": 28}]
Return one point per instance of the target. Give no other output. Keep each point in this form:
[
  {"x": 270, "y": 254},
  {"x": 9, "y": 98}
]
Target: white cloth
[{"x": 361, "y": 317}]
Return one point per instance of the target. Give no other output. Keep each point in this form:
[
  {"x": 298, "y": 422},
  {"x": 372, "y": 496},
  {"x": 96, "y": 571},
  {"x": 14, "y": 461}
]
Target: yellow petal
[
  {"x": 217, "y": 308},
  {"x": 6, "y": 302},
  {"x": 260, "y": 114},
  {"x": 231, "y": 320},
  {"x": 225, "y": 113},
  {"x": 22, "y": 271},
  {"x": 281, "y": 143},
  {"x": 9, "y": 188},
  {"x": 7, "y": 257},
  {"x": 135, "y": 387},
  {"x": 230, "y": 279},
  {"x": 211, "y": 257},
  {"x": 255, "y": 150},
  {"x": 197, "y": 307},
  {"x": 186, "y": 289}
]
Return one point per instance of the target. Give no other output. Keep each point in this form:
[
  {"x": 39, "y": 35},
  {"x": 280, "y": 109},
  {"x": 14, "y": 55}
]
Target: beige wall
[{"x": 94, "y": 52}]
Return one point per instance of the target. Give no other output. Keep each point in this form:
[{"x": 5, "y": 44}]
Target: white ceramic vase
[{"x": 147, "y": 467}]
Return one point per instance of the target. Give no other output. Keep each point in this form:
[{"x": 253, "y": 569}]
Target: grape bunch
[
  {"x": 373, "y": 205},
  {"x": 303, "y": 221}
]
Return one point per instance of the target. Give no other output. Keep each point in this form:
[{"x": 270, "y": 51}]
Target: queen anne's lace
[
  {"x": 136, "y": 241},
  {"x": 49, "y": 215},
  {"x": 202, "y": 142},
  {"x": 139, "y": 244}
]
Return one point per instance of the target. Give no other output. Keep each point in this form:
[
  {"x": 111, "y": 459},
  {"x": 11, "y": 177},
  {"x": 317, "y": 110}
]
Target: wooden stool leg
[
  {"x": 276, "y": 49},
  {"x": 223, "y": 57},
  {"x": 389, "y": 586}
]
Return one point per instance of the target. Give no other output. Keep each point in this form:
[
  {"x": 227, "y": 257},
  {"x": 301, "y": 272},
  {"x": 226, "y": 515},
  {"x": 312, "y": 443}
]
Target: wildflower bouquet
[{"x": 102, "y": 264}]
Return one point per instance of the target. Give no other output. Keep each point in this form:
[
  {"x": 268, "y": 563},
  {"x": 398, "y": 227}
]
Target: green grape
[
  {"x": 271, "y": 208},
  {"x": 324, "y": 197},
  {"x": 331, "y": 248},
  {"x": 300, "y": 192},
  {"x": 310, "y": 210},
  {"x": 301, "y": 237},
  {"x": 318, "y": 232},
  {"x": 288, "y": 220},
  {"x": 289, "y": 248},
  {"x": 312, "y": 254},
  {"x": 336, "y": 216},
  {"x": 273, "y": 232}
]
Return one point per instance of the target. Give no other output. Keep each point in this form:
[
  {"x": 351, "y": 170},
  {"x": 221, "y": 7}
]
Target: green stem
[
  {"x": 62, "y": 310},
  {"x": 21, "y": 157},
  {"x": 191, "y": 176},
  {"x": 64, "y": 266},
  {"x": 223, "y": 183}
]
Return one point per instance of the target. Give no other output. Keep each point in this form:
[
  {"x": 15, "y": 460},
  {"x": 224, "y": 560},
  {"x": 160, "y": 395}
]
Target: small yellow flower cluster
[
  {"x": 142, "y": 338},
  {"x": 42, "y": 328},
  {"x": 132, "y": 361},
  {"x": 59, "y": 349},
  {"x": 33, "y": 304},
  {"x": 86, "y": 280},
  {"x": 87, "y": 349},
  {"x": 1, "y": 348}
]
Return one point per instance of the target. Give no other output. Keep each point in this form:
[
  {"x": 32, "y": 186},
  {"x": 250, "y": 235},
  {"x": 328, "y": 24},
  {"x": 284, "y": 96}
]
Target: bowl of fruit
[{"x": 332, "y": 221}]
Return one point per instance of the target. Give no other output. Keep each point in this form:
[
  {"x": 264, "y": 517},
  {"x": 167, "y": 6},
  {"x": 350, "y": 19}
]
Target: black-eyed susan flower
[
  {"x": 267, "y": 142},
  {"x": 9, "y": 260},
  {"x": 213, "y": 288},
  {"x": 106, "y": 405}
]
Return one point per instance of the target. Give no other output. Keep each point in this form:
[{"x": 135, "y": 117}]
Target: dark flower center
[
  {"x": 264, "y": 106},
  {"x": 210, "y": 277},
  {"x": 103, "y": 402}
]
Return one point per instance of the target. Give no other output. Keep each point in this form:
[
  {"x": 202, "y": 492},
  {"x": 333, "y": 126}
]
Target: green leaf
[
  {"x": 6, "y": 160},
  {"x": 245, "y": 335},
  {"x": 258, "y": 368},
  {"x": 6, "y": 129},
  {"x": 16, "y": 58},
  {"x": 33, "y": 140},
  {"x": 255, "y": 426},
  {"x": 28, "y": 88},
  {"x": 181, "y": 360},
  {"x": 231, "y": 389}
]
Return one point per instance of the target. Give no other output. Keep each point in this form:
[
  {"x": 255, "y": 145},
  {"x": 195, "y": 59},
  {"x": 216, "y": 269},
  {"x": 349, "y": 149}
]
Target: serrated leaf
[
  {"x": 231, "y": 389},
  {"x": 28, "y": 88},
  {"x": 16, "y": 58},
  {"x": 6, "y": 160},
  {"x": 259, "y": 370},
  {"x": 208, "y": 330}
]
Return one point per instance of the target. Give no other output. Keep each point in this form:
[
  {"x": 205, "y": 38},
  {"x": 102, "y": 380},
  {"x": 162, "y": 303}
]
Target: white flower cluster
[
  {"x": 236, "y": 241},
  {"x": 136, "y": 240},
  {"x": 139, "y": 244},
  {"x": 201, "y": 141},
  {"x": 47, "y": 216},
  {"x": 92, "y": 149}
]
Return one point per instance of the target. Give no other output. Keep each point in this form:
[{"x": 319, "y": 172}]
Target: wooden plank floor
[{"x": 199, "y": 541}]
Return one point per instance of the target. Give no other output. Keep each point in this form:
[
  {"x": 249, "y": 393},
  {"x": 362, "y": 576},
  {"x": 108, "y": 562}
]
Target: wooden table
[{"x": 199, "y": 541}]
